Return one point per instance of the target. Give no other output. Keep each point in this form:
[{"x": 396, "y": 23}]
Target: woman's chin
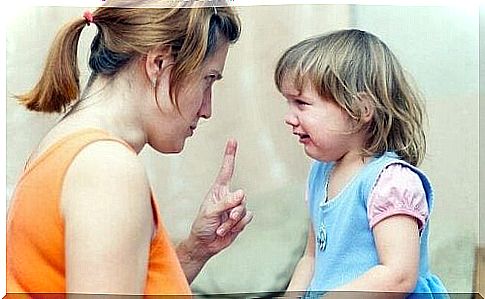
[{"x": 170, "y": 149}]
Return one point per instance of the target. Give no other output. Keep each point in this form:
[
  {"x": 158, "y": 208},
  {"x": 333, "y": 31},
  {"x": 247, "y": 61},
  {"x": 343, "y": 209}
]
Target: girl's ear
[
  {"x": 367, "y": 106},
  {"x": 157, "y": 61}
]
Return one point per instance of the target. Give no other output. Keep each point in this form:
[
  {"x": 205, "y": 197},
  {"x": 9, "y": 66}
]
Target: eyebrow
[{"x": 291, "y": 95}]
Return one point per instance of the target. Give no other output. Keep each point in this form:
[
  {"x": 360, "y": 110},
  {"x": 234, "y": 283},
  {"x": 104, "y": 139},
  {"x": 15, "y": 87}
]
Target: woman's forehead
[{"x": 216, "y": 61}]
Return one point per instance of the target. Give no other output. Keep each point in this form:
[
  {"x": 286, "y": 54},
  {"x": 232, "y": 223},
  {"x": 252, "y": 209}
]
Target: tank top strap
[
  {"x": 64, "y": 150},
  {"x": 69, "y": 146},
  {"x": 51, "y": 166}
]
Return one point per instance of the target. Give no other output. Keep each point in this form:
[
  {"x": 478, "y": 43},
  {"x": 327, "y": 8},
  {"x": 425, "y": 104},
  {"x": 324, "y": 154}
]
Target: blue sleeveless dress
[{"x": 345, "y": 247}]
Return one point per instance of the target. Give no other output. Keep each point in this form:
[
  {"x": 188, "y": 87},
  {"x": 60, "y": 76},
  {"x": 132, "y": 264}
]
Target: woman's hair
[
  {"x": 124, "y": 34},
  {"x": 348, "y": 65}
]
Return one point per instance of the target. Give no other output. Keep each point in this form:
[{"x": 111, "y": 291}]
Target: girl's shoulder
[
  {"x": 398, "y": 190},
  {"x": 391, "y": 172},
  {"x": 377, "y": 165}
]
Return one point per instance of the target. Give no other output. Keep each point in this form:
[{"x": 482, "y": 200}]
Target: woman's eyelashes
[{"x": 211, "y": 78}]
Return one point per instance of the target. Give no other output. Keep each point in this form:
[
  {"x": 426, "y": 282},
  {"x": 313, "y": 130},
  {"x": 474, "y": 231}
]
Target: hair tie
[
  {"x": 88, "y": 16},
  {"x": 215, "y": 10}
]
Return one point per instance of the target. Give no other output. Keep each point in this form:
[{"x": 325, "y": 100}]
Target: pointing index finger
[{"x": 227, "y": 168}]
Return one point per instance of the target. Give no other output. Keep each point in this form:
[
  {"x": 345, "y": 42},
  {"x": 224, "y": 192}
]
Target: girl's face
[
  {"x": 321, "y": 125},
  {"x": 167, "y": 133}
]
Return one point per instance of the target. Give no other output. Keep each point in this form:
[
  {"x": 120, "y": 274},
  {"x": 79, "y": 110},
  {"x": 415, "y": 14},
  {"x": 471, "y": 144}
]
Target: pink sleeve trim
[
  {"x": 398, "y": 191},
  {"x": 376, "y": 219}
]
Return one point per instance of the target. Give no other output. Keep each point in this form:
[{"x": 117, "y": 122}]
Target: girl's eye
[{"x": 301, "y": 103}]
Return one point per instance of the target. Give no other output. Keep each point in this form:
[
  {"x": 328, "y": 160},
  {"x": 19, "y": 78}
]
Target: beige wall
[{"x": 271, "y": 166}]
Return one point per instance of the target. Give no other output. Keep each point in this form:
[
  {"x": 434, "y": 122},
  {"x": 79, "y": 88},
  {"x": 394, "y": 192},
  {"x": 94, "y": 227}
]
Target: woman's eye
[{"x": 210, "y": 79}]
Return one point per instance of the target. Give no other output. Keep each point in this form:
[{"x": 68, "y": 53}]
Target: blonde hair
[
  {"x": 125, "y": 33},
  {"x": 346, "y": 64}
]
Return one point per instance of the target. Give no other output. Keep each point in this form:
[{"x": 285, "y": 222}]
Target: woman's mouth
[{"x": 192, "y": 129}]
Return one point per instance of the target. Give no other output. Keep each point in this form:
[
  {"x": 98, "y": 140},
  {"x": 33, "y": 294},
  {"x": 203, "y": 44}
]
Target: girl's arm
[
  {"x": 108, "y": 221},
  {"x": 304, "y": 269},
  {"x": 397, "y": 242}
]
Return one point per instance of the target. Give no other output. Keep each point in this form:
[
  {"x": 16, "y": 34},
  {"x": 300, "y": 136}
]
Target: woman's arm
[
  {"x": 304, "y": 269},
  {"x": 205, "y": 239},
  {"x": 222, "y": 216},
  {"x": 397, "y": 242},
  {"x": 108, "y": 221}
]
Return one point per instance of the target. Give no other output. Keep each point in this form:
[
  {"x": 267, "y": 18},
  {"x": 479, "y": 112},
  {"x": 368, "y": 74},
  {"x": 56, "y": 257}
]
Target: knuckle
[
  {"x": 238, "y": 209},
  {"x": 241, "y": 214}
]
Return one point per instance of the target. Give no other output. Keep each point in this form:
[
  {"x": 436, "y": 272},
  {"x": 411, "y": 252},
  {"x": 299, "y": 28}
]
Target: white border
[{"x": 11, "y": 11}]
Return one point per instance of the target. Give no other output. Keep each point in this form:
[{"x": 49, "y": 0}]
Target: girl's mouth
[{"x": 303, "y": 138}]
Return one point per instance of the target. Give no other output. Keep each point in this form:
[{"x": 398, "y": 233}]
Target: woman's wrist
[
  {"x": 191, "y": 250},
  {"x": 192, "y": 257}
]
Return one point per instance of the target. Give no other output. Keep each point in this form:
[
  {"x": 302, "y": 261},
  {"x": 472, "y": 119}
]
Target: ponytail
[
  {"x": 59, "y": 83},
  {"x": 127, "y": 33}
]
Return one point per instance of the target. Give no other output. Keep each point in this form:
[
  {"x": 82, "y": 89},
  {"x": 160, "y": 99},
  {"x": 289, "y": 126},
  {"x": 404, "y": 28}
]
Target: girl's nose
[{"x": 291, "y": 119}]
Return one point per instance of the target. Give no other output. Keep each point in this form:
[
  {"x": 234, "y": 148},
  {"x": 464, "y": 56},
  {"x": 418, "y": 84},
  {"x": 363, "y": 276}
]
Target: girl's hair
[
  {"x": 192, "y": 34},
  {"x": 348, "y": 65}
]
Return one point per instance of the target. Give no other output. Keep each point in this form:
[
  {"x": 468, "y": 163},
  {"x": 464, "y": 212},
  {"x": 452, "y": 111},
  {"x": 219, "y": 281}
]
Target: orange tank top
[{"x": 35, "y": 227}]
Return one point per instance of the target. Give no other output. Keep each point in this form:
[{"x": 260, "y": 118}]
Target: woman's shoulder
[
  {"x": 108, "y": 175},
  {"x": 92, "y": 148},
  {"x": 108, "y": 161},
  {"x": 108, "y": 155}
]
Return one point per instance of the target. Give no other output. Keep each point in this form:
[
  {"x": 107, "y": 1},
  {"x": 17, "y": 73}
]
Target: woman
[{"x": 83, "y": 218}]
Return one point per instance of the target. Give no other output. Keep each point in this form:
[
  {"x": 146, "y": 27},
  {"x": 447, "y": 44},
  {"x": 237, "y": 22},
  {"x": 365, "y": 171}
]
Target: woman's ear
[
  {"x": 157, "y": 60},
  {"x": 367, "y": 106}
]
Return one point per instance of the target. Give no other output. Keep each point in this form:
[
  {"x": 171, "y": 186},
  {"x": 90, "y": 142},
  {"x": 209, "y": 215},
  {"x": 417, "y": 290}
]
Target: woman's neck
[{"x": 109, "y": 105}]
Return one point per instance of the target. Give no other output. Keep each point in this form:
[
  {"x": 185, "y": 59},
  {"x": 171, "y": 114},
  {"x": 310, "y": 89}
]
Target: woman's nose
[{"x": 206, "y": 108}]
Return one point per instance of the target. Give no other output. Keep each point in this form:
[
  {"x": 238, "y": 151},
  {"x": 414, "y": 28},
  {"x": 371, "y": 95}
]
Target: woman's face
[{"x": 169, "y": 127}]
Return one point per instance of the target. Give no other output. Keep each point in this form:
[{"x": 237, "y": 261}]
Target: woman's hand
[{"x": 222, "y": 216}]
